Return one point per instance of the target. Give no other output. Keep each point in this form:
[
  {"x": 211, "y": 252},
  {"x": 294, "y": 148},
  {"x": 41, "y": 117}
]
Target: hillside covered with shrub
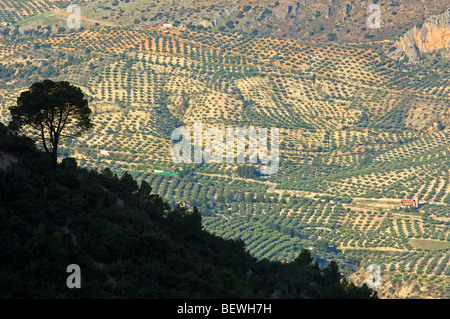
[{"x": 128, "y": 242}]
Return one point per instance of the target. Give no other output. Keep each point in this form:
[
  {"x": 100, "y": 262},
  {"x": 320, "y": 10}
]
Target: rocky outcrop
[
  {"x": 433, "y": 35},
  {"x": 206, "y": 24},
  {"x": 347, "y": 9},
  {"x": 284, "y": 11},
  {"x": 219, "y": 16}
]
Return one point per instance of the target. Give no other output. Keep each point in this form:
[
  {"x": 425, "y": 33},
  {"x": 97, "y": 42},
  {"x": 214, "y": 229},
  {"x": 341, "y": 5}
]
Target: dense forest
[{"x": 128, "y": 242}]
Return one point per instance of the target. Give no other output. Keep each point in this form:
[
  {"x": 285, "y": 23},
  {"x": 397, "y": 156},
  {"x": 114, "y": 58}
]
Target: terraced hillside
[
  {"x": 12, "y": 11},
  {"x": 358, "y": 133}
]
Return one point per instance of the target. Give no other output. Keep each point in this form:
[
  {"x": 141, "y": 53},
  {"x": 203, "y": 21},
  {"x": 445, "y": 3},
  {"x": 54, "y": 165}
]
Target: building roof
[{"x": 408, "y": 202}]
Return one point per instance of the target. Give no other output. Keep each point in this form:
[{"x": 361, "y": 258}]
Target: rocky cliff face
[{"x": 433, "y": 35}]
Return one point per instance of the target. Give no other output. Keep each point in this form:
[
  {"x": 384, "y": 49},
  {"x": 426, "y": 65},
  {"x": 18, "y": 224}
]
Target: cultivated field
[{"x": 358, "y": 133}]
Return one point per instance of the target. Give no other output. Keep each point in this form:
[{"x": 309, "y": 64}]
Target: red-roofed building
[{"x": 410, "y": 202}]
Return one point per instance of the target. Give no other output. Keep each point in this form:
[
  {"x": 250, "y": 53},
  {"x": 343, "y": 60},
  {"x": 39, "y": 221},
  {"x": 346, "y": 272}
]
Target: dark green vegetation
[
  {"x": 128, "y": 241},
  {"x": 51, "y": 108}
]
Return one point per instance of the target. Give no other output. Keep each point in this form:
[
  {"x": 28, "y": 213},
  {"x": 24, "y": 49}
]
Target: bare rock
[
  {"x": 219, "y": 16},
  {"x": 433, "y": 35},
  {"x": 347, "y": 9}
]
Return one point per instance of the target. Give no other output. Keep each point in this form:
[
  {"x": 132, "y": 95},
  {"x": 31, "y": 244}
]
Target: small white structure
[
  {"x": 167, "y": 25},
  {"x": 104, "y": 153}
]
